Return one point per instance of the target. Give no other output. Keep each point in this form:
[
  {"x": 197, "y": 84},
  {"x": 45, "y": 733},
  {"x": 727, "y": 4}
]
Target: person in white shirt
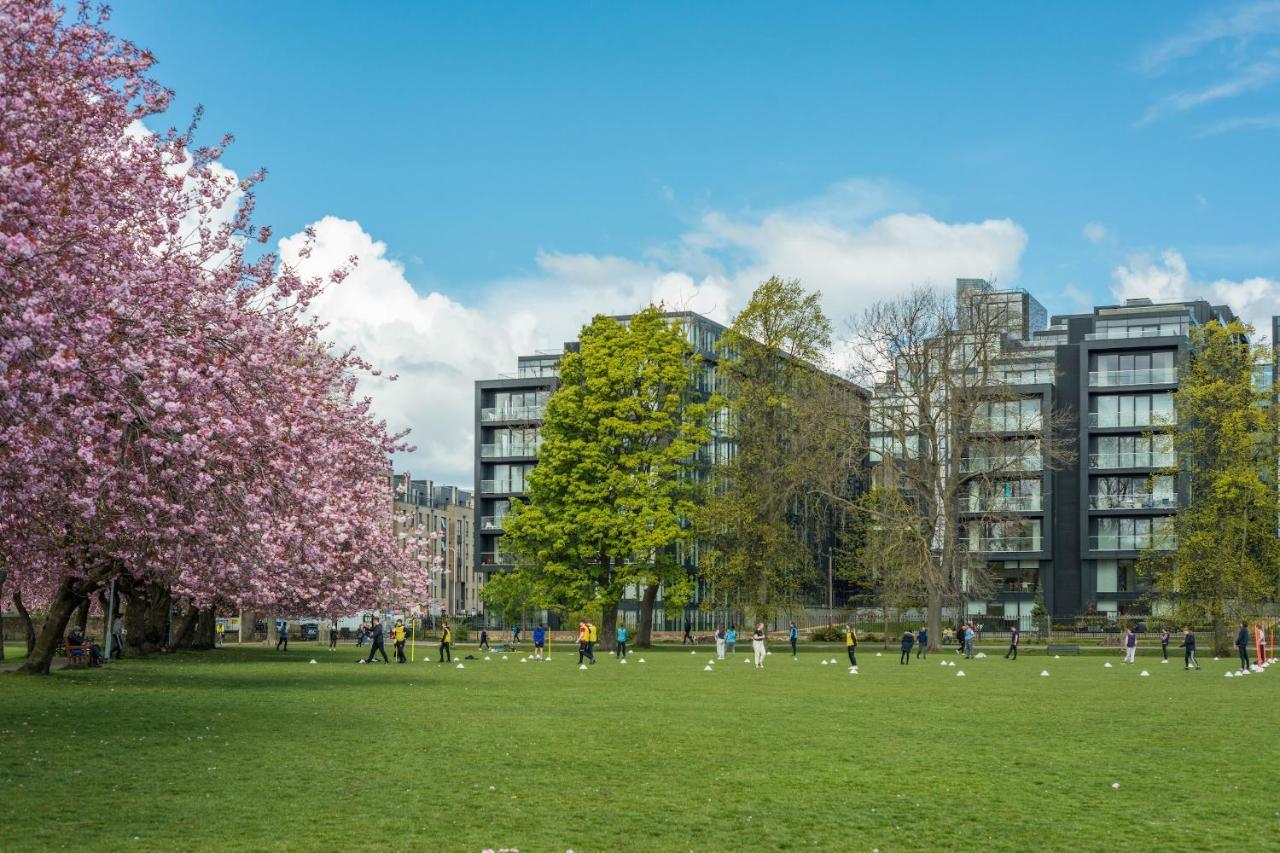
[
  {"x": 720, "y": 642},
  {"x": 757, "y": 645}
]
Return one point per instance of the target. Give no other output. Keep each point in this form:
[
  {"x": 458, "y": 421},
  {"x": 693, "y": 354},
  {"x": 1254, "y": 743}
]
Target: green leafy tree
[
  {"x": 608, "y": 499},
  {"x": 769, "y": 517},
  {"x": 1222, "y": 562},
  {"x": 889, "y": 554}
]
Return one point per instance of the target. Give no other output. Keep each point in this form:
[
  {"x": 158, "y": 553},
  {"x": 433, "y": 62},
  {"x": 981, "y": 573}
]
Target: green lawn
[{"x": 249, "y": 749}]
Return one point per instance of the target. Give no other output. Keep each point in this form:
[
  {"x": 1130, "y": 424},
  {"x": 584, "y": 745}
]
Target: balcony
[
  {"x": 1148, "y": 376},
  {"x": 997, "y": 465},
  {"x": 512, "y": 413},
  {"x": 1132, "y": 541},
  {"x": 491, "y": 523},
  {"x": 1149, "y": 459},
  {"x": 494, "y": 558},
  {"x": 501, "y": 487},
  {"x": 1130, "y": 419},
  {"x": 508, "y": 451},
  {"x": 993, "y": 544},
  {"x": 1007, "y": 424},
  {"x": 1133, "y": 502},
  {"x": 1010, "y": 503},
  {"x": 1122, "y": 333}
]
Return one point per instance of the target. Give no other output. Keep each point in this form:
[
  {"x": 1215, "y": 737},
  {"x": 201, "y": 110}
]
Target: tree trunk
[
  {"x": 934, "y": 601},
  {"x": 644, "y": 632},
  {"x": 273, "y": 630},
  {"x": 145, "y": 618},
  {"x": 3, "y": 574},
  {"x": 184, "y": 629},
  {"x": 1222, "y": 644},
  {"x": 608, "y": 626},
  {"x": 70, "y": 594},
  {"x": 26, "y": 621},
  {"x": 205, "y": 626},
  {"x": 82, "y": 615}
]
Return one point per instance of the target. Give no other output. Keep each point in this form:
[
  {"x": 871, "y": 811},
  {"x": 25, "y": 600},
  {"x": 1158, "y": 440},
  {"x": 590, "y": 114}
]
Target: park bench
[
  {"x": 77, "y": 655},
  {"x": 1061, "y": 650}
]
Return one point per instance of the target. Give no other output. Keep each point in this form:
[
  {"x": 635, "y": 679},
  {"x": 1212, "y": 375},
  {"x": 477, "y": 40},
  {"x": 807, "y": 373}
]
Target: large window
[
  {"x": 1139, "y": 327},
  {"x": 1132, "y": 492},
  {"x": 1009, "y": 415},
  {"x": 1016, "y": 495},
  {"x": 1127, "y": 410},
  {"x": 1116, "y": 576},
  {"x": 1118, "y": 533},
  {"x": 1131, "y": 368},
  {"x": 1131, "y": 451},
  {"x": 1015, "y": 534}
]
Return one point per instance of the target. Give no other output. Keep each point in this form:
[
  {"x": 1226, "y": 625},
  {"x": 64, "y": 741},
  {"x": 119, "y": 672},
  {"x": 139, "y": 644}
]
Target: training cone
[
  {"x": 693, "y": 653},
  {"x": 1057, "y": 657},
  {"x": 1231, "y": 675},
  {"x": 824, "y": 663},
  {"x": 877, "y": 654},
  {"x": 524, "y": 660},
  {"x": 960, "y": 674},
  {"x": 582, "y": 666},
  {"x": 951, "y": 663},
  {"x": 641, "y": 660},
  {"x": 486, "y": 657},
  {"x": 708, "y": 668},
  {"x": 504, "y": 657},
  {"x": 1107, "y": 665},
  {"x": 1144, "y": 674},
  {"x": 313, "y": 660},
  {"x": 746, "y": 660},
  {"x": 1164, "y": 661},
  {"x": 943, "y": 663},
  {"x": 1044, "y": 672},
  {"x": 624, "y": 660},
  {"x": 459, "y": 666}
]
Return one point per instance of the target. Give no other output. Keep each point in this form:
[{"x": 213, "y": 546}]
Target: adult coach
[
  {"x": 375, "y": 644},
  {"x": 446, "y": 644},
  {"x": 1189, "y": 649},
  {"x": 851, "y": 645},
  {"x": 1242, "y": 644},
  {"x": 908, "y": 640}
]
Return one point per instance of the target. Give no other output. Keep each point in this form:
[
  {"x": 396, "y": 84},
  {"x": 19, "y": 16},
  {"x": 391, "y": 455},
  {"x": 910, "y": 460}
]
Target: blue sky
[{"x": 481, "y": 156}]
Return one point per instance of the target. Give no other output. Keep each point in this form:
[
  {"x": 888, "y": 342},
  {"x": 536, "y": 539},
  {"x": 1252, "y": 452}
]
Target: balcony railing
[
  {"x": 1149, "y": 459},
  {"x": 498, "y": 487},
  {"x": 1122, "y": 332},
  {"x": 1130, "y": 419},
  {"x": 1005, "y": 585},
  {"x": 1146, "y": 376},
  {"x": 512, "y": 413},
  {"x": 506, "y": 451},
  {"x": 978, "y": 464},
  {"x": 1029, "y": 424},
  {"x": 494, "y": 558},
  {"x": 491, "y": 522},
  {"x": 1132, "y": 502},
  {"x": 1012, "y": 503},
  {"x": 1132, "y": 541},
  {"x": 1004, "y": 543}
]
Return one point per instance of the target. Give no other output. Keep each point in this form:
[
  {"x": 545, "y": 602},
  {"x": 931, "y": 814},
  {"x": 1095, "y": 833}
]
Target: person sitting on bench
[{"x": 77, "y": 638}]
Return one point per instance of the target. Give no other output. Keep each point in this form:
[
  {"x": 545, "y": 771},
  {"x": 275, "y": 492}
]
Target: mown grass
[{"x": 249, "y": 749}]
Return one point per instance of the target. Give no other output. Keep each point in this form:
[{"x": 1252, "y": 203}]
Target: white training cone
[
  {"x": 624, "y": 660},
  {"x": 951, "y": 663},
  {"x": 1144, "y": 674},
  {"x": 877, "y": 654},
  {"x": 746, "y": 660},
  {"x": 768, "y": 653},
  {"x": 313, "y": 660},
  {"x": 504, "y": 657},
  {"x": 1164, "y": 661},
  {"x": 1107, "y": 665},
  {"x": 942, "y": 663},
  {"x": 582, "y": 666},
  {"x": 960, "y": 674},
  {"x": 460, "y": 666},
  {"x": 1057, "y": 657},
  {"x": 708, "y": 668},
  {"x": 693, "y": 653},
  {"x": 1044, "y": 672},
  {"x": 486, "y": 657},
  {"x": 524, "y": 660},
  {"x": 1115, "y": 784},
  {"x": 824, "y": 663},
  {"x": 1231, "y": 675},
  {"x": 641, "y": 660}
]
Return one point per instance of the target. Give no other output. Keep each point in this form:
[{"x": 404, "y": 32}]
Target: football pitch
[{"x": 255, "y": 750}]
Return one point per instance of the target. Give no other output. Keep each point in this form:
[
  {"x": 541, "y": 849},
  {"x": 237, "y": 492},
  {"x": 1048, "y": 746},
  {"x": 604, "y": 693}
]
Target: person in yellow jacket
[
  {"x": 446, "y": 643},
  {"x": 851, "y": 645},
  {"x": 397, "y": 637},
  {"x": 593, "y": 636}
]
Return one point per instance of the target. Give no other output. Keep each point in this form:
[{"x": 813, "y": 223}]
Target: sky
[{"x": 504, "y": 171}]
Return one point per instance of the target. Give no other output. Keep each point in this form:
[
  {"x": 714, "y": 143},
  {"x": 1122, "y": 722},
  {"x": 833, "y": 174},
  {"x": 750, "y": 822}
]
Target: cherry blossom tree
[{"x": 170, "y": 416}]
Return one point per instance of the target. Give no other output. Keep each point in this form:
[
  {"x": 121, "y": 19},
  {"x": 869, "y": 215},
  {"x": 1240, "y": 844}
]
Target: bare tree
[{"x": 961, "y": 429}]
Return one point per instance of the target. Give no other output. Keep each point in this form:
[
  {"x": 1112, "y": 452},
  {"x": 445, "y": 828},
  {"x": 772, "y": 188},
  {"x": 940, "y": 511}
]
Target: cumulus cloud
[
  {"x": 1095, "y": 232},
  {"x": 843, "y": 243},
  {"x": 1256, "y": 300}
]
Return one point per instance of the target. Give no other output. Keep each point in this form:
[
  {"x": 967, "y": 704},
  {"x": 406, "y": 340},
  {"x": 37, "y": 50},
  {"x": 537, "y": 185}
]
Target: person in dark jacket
[
  {"x": 1014, "y": 637},
  {"x": 908, "y": 640},
  {"x": 922, "y": 643},
  {"x": 1164, "y": 643},
  {"x": 793, "y": 635},
  {"x": 1242, "y": 643},
  {"x": 1189, "y": 650},
  {"x": 375, "y": 642}
]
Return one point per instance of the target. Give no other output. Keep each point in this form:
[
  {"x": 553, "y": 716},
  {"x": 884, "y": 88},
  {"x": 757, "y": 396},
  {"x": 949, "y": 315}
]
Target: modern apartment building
[
  {"x": 426, "y": 507},
  {"x": 1100, "y": 385}
]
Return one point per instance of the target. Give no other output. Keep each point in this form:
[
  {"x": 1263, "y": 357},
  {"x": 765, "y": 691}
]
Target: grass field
[{"x": 249, "y": 749}]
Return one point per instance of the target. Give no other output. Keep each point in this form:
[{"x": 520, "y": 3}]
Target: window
[
  {"x": 1126, "y": 410},
  {"x": 1132, "y": 492}
]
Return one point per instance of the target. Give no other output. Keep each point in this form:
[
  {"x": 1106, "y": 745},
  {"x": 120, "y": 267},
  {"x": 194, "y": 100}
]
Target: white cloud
[
  {"x": 438, "y": 345},
  {"x": 1256, "y": 300},
  {"x": 1095, "y": 232},
  {"x": 1231, "y": 125},
  {"x": 1253, "y": 76},
  {"x": 1240, "y": 24}
]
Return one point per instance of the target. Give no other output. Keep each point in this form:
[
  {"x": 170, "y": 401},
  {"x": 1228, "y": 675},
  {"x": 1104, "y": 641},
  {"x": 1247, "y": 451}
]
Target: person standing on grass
[
  {"x": 720, "y": 642},
  {"x": 117, "y": 637},
  {"x": 908, "y": 640},
  {"x": 757, "y": 645},
  {"x": 284, "y": 635},
  {"x": 1164, "y": 642},
  {"x": 621, "y": 651},
  {"x": 1189, "y": 649},
  {"x": 968, "y": 641},
  {"x": 1242, "y": 643},
  {"x": 688, "y": 632},
  {"x": 794, "y": 635},
  {"x": 960, "y": 638},
  {"x": 375, "y": 642},
  {"x": 922, "y": 643},
  {"x": 397, "y": 638},
  {"x": 1014, "y": 637},
  {"x": 1130, "y": 644},
  {"x": 446, "y": 644},
  {"x": 333, "y": 635},
  {"x": 484, "y": 639},
  {"x": 593, "y": 637},
  {"x": 731, "y": 640},
  {"x": 515, "y": 635},
  {"x": 851, "y": 645},
  {"x": 539, "y": 641}
]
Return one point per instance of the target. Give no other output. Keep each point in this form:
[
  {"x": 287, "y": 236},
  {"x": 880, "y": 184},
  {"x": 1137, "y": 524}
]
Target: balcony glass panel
[
  {"x": 1145, "y": 376},
  {"x": 512, "y": 413},
  {"x": 1146, "y": 459},
  {"x": 1161, "y": 541},
  {"x": 1132, "y": 502}
]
